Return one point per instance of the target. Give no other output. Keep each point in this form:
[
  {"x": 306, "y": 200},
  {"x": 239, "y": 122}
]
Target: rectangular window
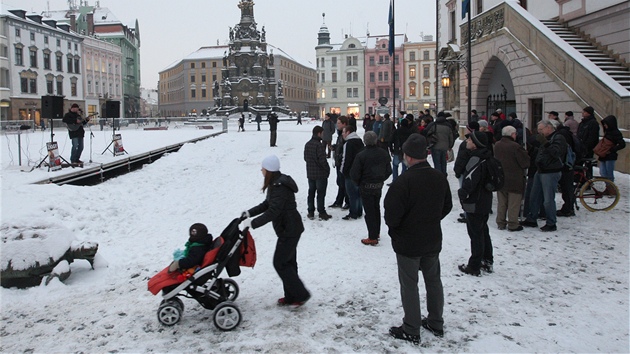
[
  {"x": 32, "y": 83},
  {"x": 396, "y": 76},
  {"x": 355, "y": 60},
  {"x": 334, "y": 62},
  {"x": 395, "y": 59},
  {"x": 355, "y": 92},
  {"x": 214, "y": 64},
  {"x": 49, "y": 87},
  {"x": 426, "y": 55},
  {"x": 371, "y": 61},
  {"x": 192, "y": 65},
  {"x": 386, "y": 92},
  {"x": 46, "y": 39},
  {"x": 479, "y": 7},
  {"x": 17, "y": 32},
  {"x": 412, "y": 56},
  {"x": 32, "y": 36},
  {"x": 203, "y": 77},
  {"x": 203, "y": 65},
  {"x": 348, "y": 61},
  {"x": 47, "y": 61},
  {"x": 193, "y": 93},
  {"x": 73, "y": 88},
  {"x": 33, "y": 58},
  {"x": 192, "y": 78},
  {"x": 372, "y": 75},
  {"x": 334, "y": 77},
  {"x": 69, "y": 64},
  {"x": 58, "y": 42},
  {"x": 334, "y": 93},
  {"x": 412, "y": 90},
  {"x": 60, "y": 88},
  {"x": 24, "y": 85},
  {"x": 203, "y": 93},
  {"x": 349, "y": 92},
  {"x": 323, "y": 61},
  {"x": 77, "y": 68},
  {"x": 76, "y": 47},
  {"x": 372, "y": 94},
  {"x": 214, "y": 78},
  {"x": 355, "y": 76},
  {"x": 427, "y": 90},
  {"x": 323, "y": 77},
  {"x": 89, "y": 86},
  {"x": 69, "y": 45},
  {"x": 19, "y": 60},
  {"x": 59, "y": 63},
  {"x": 380, "y": 93},
  {"x": 386, "y": 76},
  {"x": 425, "y": 71},
  {"x": 348, "y": 77},
  {"x": 412, "y": 72},
  {"x": 380, "y": 76}
]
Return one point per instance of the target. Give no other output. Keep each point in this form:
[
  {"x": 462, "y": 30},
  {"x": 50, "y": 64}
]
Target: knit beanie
[
  {"x": 271, "y": 163},
  {"x": 415, "y": 146},
  {"x": 589, "y": 110},
  {"x": 480, "y": 139}
]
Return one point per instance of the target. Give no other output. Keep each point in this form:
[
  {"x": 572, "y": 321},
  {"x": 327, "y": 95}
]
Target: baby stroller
[{"x": 234, "y": 248}]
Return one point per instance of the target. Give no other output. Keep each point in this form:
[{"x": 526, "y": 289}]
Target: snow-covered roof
[
  {"x": 399, "y": 39},
  {"x": 103, "y": 15}
]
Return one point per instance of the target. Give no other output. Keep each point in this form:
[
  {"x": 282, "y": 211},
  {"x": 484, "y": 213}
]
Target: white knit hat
[{"x": 271, "y": 163}]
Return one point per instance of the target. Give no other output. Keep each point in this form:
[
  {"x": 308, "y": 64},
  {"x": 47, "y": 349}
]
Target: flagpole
[{"x": 393, "y": 59}]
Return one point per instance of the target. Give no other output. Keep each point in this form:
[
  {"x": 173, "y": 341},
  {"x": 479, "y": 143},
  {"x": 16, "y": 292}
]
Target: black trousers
[
  {"x": 285, "y": 263},
  {"x": 341, "y": 192},
  {"x": 274, "y": 135},
  {"x": 371, "y": 199},
  {"x": 566, "y": 187},
  {"x": 480, "y": 242}
]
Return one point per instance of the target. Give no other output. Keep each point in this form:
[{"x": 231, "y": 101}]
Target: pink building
[{"x": 378, "y": 73}]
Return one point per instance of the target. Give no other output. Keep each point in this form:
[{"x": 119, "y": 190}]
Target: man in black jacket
[
  {"x": 341, "y": 122},
  {"x": 75, "y": 124},
  {"x": 414, "y": 205},
  {"x": 549, "y": 161},
  {"x": 273, "y": 128},
  {"x": 588, "y": 133},
  {"x": 317, "y": 172},
  {"x": 477, "y": 202},
  {"x": 351, "y": 148},
  {"x": 369, "y": 171}
]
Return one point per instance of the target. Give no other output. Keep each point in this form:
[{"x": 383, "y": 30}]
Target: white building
[
  {"x": 102, "y": 75},
  {"x": 340, "y": 75},
  {"x": 420, "y": 81},
  {"x": 41, "y": 58}
]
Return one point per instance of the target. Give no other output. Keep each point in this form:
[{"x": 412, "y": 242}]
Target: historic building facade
[
  {"x": 419, "y": 78},
  {"x": 558, "y": 55},
  {"x": 102, "y": 78},
  {"x": 42, "y": 58},
  {"x": 382, "y": 79}
]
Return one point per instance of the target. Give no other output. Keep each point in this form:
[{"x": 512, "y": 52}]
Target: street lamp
[{"x": 446, "y": 80}]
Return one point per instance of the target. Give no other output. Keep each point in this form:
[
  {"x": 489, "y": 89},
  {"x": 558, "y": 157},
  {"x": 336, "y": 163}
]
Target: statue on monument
[
  {"x": 215, "y": 89},
  {"x": 271, "y": 58},
  {"x": 264, "y": 34},
  {"x": 231, "y": 34},
  {"x": 279, "y": 87}
]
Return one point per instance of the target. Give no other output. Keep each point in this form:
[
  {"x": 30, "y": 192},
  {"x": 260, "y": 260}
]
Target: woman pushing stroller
[{"x": 280, "y": 208}]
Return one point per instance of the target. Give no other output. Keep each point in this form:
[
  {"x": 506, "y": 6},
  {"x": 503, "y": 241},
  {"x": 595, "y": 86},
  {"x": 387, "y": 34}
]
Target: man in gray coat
[
  {"x": 440, "y": 138},
  {"x": 515, "y": 161}
]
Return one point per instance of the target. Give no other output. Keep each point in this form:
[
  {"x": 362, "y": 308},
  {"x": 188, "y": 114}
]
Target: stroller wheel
[
  {"x": 177, "y": 301},
  {"x": 169, "y": 313},
  {"x": 231, "y": 289},
  {"x": 227, "y": 316}
]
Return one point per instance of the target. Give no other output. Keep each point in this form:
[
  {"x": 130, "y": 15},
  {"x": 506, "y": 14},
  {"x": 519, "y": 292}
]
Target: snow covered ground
[{"x": 565, "y": 291}]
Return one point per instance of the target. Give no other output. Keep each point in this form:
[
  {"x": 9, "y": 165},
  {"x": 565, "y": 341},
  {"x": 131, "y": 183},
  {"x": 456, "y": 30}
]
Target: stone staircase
[{"x": 607, "y": 63}]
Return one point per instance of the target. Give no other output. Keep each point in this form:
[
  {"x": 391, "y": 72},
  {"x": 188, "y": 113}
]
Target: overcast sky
[{"x": 170, "y": 30}]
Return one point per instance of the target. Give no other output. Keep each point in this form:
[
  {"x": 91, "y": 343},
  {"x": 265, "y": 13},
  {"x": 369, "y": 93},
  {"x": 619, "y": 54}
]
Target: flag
[
  {"x": 465, "y": 7},
  {"x": 391, "y": 28}
]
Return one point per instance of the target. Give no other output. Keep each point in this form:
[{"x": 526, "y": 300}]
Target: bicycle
[{"x": 596, "y": 193}]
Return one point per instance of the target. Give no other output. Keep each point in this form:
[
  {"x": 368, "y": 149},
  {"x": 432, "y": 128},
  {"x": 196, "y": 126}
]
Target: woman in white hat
[{"x": 280, "y": 208}]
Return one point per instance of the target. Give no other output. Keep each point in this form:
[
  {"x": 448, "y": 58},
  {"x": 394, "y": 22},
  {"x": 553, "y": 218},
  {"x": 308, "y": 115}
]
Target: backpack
[
  {"x": 569, "y": 160},
  {"x": 248, "y": 251},
  {"x": 494, "y": 178}
]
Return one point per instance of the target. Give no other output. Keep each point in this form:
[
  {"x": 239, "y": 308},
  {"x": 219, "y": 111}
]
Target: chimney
[
  {"x": 73, "y": 22},
  {"x": 90, "y": 23}
]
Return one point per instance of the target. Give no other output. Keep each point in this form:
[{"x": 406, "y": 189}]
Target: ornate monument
[{"x": 248, "y": 73}]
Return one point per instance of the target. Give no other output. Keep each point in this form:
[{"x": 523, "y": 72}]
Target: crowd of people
[{"x": 499, "y": 156}]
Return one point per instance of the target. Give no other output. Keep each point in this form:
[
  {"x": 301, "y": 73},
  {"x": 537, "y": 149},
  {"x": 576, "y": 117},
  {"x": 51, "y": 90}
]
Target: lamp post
[{"x": 446, "y": 79}]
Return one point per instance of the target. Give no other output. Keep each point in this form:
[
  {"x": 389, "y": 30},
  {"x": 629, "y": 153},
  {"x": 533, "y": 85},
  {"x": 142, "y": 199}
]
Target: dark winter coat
[
  {"x": 514, "y": 160},
  {"x": 552, "y": 154},
  {"x": 315, "y": 156},
  {"x": 376, "y": 127},
  {"x": 70, "y": 118},
  {"x": 386, "y": 134},
  {"x": 473, "y": 195},
  {"x": 463, "y": 155},
  {"x": 613, "y": 134},
  {"x": 400, "y": 136},
  {"x": 588, "y": 133},
  {"x": 371, "y": 168},
  {"x": 196, "y": 252},
  {"x": 258, "y": 118},
  {"x": 351, "y": 148},
  {"x": 329, "y": 130},
  {"x": 279, "y": 208},
  {"x": 441, "y": 132},
  {"x": 415, "y": 204},
  {"x": 273, "y": 122}
]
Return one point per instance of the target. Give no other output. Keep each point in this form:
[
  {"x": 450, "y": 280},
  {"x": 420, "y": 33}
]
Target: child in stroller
[{"x": 202, "y": 283}]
